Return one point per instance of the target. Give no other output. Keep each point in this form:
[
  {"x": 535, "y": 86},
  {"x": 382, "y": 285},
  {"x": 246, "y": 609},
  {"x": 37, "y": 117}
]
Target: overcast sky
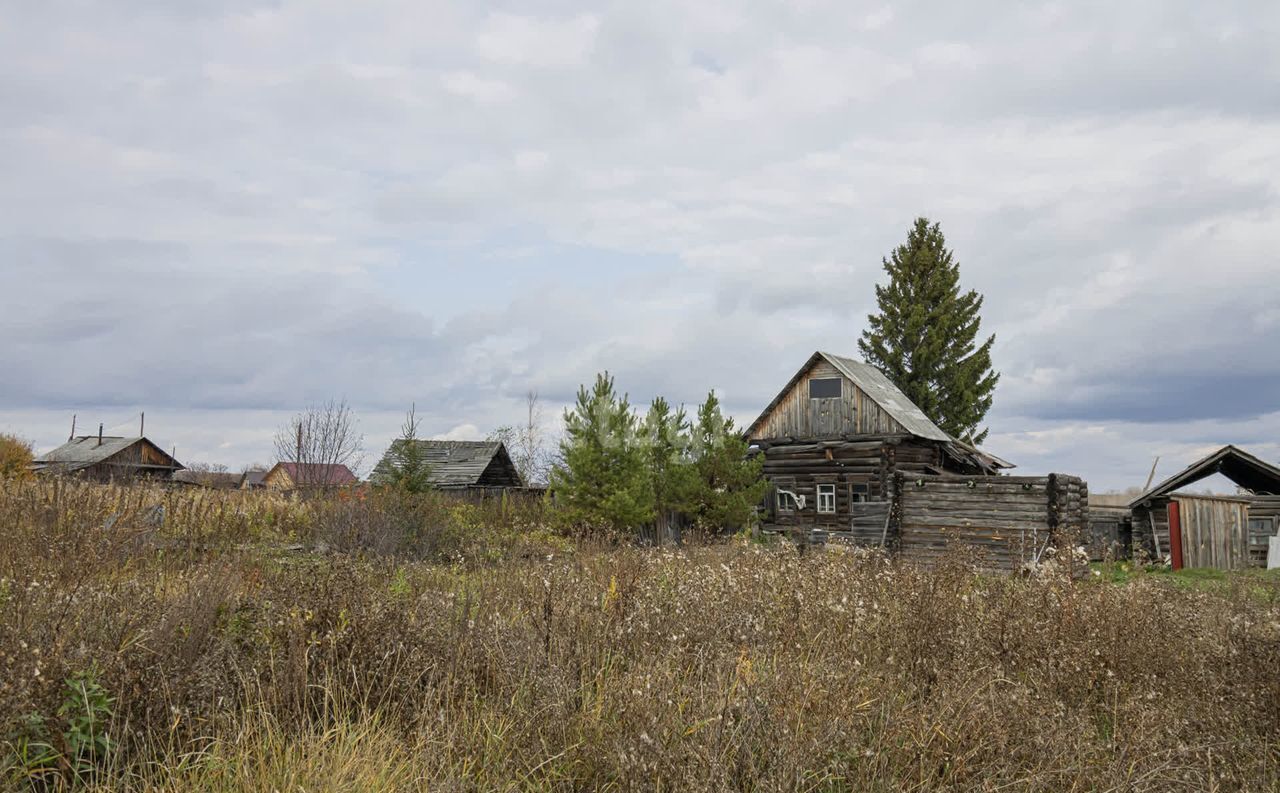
[{"x": 218, "y": 212}]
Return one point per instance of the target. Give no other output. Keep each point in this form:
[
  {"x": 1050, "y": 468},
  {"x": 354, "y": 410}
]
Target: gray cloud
[{"x": 220, "y": 211}]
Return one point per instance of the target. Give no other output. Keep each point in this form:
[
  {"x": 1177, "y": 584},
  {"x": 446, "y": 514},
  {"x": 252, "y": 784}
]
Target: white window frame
[
  {"x": 785, "y": 501},
  {"x": 826, "y": 499}
]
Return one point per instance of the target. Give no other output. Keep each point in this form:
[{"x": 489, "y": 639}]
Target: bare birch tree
[
  {"x": 527, "y": 443},
  {"x": 318, "y": 439}
]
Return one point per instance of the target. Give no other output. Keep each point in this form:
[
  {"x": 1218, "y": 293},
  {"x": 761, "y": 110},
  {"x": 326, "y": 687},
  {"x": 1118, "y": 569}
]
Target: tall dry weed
[{"x": 233, "y": 663}]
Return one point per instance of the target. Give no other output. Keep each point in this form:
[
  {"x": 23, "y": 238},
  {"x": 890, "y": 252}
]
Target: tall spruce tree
[
  {"x": 723, "y": 484},
  {"x": 601, "y": 479},
  {"x": 925, "y": 336}
]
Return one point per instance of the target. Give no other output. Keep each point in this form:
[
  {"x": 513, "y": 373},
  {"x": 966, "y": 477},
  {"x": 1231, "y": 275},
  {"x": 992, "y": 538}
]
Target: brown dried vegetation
[{"x": 456, "y": 648}]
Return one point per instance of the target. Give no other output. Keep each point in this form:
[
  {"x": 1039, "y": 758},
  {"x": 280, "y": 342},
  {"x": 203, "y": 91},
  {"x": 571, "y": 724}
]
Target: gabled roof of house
[
  {"x": 84, "y": 451},
  {"x": 1247, "y": 471},
  {"x": 450, "y": 463},
  {"x": 318, "y": 473},
  {"x": 876, "y": 386},
  {"x": 881, "y": 390}
]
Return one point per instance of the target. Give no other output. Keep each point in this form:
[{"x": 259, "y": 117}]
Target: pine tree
[
  {"x": 405, "y": 466},
  {"x": 666, "y": 436},
  {"x": 724, "y": 485},
  {"x": 601, "y": 480},
  {"x": 924, "y": 337}
]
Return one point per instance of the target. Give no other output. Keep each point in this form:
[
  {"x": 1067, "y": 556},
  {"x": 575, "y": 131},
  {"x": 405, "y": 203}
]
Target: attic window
[{"x": 825, "y": 388}]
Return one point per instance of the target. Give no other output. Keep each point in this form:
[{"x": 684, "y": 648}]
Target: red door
[{"x": 1175, "y": 535}]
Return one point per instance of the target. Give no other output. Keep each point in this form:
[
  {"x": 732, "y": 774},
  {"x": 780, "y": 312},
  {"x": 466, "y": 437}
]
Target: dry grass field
[{"x": 247, "y": 643}]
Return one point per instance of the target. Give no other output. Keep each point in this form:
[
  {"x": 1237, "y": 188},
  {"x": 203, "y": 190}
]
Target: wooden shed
[
  {"x": 1201, "y": 530},
  {"x": 108, "y": 457},
  {"x": 474, "y": 467},
  {"x": 850, "y": 457}
]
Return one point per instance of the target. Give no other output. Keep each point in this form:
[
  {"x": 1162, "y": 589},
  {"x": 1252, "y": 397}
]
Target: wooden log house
[
  {"x": 108, "y": 458},
  {"x": 849, "y": 456}
]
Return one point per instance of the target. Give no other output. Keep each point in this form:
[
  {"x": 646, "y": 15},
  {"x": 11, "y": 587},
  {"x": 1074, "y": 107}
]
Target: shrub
[
  {"x": 15, "y": 457},
  {"x": 73, "y": 747}
]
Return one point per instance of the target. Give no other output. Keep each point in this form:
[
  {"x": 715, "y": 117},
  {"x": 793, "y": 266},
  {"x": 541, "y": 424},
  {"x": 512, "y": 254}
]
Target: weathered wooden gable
[{"x": 797, "y": 415}]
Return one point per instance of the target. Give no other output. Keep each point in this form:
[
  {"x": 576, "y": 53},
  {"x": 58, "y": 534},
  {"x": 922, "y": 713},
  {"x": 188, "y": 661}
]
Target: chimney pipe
[
  {"x": 73, "y": 428},
  {"x": 99, "y": 434},
  {"x": 142, "y": 424}
]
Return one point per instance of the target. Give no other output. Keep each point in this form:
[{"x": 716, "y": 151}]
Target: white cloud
[
  {"x": 219, "y": 212},
  {"x": 472, "y": 86},
  {"x": 520, "y": 40}
]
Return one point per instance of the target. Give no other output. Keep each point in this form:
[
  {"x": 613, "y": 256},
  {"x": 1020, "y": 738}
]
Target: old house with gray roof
[
  {"x": 457, "y": 465},
  {"x": 849, "y": 456},
  {"x": 108, "y": 457}
]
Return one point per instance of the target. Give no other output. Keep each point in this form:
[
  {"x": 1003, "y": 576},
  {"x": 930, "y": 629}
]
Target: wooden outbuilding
[
  {"x": 475, "y": 467},
  {"x": 1226, "y": 532},
  {"x": 850, "y": 457},
  {"x": 108, "y": 457}
]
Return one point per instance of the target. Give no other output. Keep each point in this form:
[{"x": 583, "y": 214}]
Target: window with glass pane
[
  {"x": 827, "y": 498},
  {"x": 825, "y": 388}
]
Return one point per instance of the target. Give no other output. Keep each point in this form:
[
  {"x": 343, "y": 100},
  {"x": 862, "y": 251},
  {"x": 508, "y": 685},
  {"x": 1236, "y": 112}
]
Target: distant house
[
  {"x": 214, "y": 480},
  {"x": 300, "y": 476},
  {"x": 253, "y": 480},
  {"x": 108, "y": 457},
  {"x": 1225, "y": 532},
  {"x": 457, "y": 465}
]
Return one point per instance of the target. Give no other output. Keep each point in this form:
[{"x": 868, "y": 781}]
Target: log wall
[
  {"x": 854, "y": 468},
  {"x": 1011, "y": 520}
]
